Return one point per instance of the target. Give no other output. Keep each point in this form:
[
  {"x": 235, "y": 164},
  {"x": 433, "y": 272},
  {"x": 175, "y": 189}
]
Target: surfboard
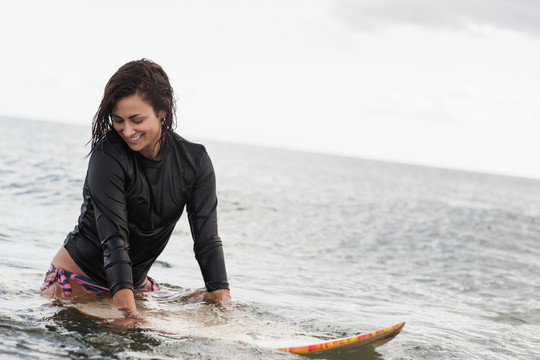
[
  {"x": 199, "y": 320},
  {"x": 363, "y": 341}
]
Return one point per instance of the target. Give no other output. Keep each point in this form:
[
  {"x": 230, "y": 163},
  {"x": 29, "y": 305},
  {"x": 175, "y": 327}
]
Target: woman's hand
[
  {"x": 221, "y": 297},
  {"x": 128, "y": 323},
  {"x": 125, "y": 302}
]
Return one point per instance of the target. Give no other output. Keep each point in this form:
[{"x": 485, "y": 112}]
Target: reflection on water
[{"x": 95, "y": 336}]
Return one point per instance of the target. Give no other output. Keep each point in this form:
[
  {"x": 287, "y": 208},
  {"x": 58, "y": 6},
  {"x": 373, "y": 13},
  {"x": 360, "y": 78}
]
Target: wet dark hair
[{"x": 143, "y": 77}]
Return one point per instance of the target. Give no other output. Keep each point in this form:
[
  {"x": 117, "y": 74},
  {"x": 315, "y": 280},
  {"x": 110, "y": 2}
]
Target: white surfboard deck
[{"x": 197, "y": 320}]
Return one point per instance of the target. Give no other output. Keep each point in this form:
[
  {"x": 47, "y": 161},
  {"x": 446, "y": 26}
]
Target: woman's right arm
[{"x": 106, "y": 185}]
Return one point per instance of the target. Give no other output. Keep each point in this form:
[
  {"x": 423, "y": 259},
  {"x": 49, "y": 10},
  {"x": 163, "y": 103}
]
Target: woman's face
[{"x": 137, "y": 123}]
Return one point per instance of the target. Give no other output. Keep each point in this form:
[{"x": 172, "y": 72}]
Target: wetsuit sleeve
[
  {"x": 106, "y": 184},
  {"x": 202, "y": 214}
]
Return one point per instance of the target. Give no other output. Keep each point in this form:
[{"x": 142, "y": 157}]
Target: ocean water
[{"x": 315, "y": 244}]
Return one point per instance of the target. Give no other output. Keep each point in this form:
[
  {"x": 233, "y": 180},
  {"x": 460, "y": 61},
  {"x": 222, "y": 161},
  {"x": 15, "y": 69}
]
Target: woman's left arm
[{"x": 202, "y": 215}]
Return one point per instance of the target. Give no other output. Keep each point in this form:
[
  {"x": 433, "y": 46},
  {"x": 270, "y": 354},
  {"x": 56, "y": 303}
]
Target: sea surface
[{"x": 315, "y": 244}]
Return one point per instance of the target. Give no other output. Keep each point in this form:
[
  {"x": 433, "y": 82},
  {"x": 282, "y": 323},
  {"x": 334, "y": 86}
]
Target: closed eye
[
  {"x": 117, "y": 119},
  {"x": 136, "y": 119}
]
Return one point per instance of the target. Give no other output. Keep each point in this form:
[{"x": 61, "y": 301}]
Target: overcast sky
[{"x": 449, "y": 83}]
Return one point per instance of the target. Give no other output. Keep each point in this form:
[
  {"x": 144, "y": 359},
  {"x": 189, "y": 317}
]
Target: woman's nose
[{"x": 128, "y": 129}]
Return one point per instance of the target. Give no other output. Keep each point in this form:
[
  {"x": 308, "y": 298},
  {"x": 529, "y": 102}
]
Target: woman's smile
[{"x": 134, "y": 139}]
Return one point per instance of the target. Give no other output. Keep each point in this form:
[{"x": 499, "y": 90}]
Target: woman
[{"x": 140, "y": 177}]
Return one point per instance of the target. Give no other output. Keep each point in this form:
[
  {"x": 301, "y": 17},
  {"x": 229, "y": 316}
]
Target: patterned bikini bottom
[{"x": 88, "y": 284}]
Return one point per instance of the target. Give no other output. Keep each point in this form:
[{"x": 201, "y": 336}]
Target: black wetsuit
[{"x": 131, "y": 205}]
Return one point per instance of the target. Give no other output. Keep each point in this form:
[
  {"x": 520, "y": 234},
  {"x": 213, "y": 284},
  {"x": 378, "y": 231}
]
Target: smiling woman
[
  {"x": 141, "y": 175},
  {"x": 138, "y": 91},
  {"x": 136, "y": 122}
]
